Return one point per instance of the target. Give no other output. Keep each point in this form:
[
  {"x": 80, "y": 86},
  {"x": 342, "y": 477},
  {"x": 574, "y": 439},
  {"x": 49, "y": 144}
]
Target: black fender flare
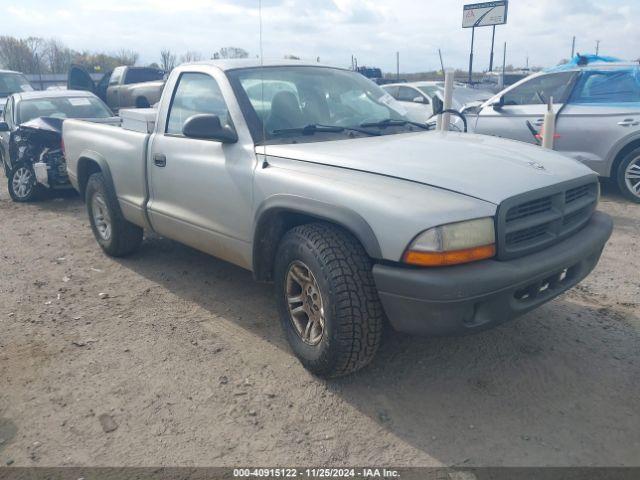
[
  {"x": 85, "y": 159},
  {"x": 293, "y": 204}
]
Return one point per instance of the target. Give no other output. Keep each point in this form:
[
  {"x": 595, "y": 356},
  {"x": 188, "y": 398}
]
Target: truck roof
[{"x": 232, "y": 64}]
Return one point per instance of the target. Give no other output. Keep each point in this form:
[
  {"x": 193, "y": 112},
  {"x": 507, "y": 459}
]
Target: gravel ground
[{"x": 184, "y": 363}]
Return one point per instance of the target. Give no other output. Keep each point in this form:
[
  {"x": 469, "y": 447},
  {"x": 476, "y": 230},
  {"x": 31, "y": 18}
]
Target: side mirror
[
  {"x": 497, "y": 106},
  {"x": 4, "y": 127},
  {"x": 208, "y": 127},
  {"x": 419, "y": 100},
  {"x": 438, "y": 105}
]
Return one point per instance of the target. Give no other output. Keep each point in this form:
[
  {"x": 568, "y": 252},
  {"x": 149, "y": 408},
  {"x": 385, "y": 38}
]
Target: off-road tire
[
  {"x": 620, "y": 175},
  {"x": 125, "y": 237},
  {"x": 353, "y": 312},
  {"x": 36, "y": 189}
]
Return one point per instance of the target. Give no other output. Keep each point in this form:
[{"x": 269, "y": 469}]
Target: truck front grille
[{"x": 536, "y": 220}]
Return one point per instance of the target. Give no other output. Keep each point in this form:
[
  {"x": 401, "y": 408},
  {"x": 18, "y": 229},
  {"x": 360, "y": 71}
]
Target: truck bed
[{"x": 119, "y": 149}]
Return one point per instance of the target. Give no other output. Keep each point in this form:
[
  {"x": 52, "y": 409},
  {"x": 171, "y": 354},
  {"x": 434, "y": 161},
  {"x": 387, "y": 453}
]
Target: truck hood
[{"x": 488, "y": 168}]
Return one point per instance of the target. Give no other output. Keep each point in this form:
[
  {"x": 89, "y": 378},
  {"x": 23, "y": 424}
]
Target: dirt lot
[{"x": 184, "y": 364}]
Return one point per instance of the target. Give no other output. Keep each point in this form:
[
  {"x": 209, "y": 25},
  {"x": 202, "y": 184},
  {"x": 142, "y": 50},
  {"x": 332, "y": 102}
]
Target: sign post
[{"x": 487, "y": 14}]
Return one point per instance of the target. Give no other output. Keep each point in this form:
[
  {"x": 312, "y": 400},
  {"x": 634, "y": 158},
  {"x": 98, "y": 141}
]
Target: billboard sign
[{"x": 485, "y": 14}]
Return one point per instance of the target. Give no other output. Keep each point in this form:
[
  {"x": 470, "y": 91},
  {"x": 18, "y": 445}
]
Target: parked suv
[{"x": 598, "y": 115}]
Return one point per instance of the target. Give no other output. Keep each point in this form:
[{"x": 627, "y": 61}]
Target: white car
[{"x": 417, "y": 97}]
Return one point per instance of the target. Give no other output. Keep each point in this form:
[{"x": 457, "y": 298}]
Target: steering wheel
[{"x": 456, "y": 113}]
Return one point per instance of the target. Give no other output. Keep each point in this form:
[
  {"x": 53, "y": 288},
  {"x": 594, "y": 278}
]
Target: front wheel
[
  {"x": 628, "y": 176},
  {"x": 117, "y": 236},
  {"x": 22, "y": 183},
  {"x": 327, "y": 300}
]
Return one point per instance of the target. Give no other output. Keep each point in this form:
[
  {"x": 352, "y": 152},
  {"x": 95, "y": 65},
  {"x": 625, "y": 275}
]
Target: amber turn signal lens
[{"x": 457, "y": 257}]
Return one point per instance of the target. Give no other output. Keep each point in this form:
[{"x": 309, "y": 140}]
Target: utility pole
[
  {"x": 473, "y": 37},
  {"x": 398, "y": 66},
  {"x": 493, "y": 41},
  {"x": 597, "y": 47},
  {"x": 441, "y": 62},
  {"x": 573, "y": 48},
  {"x": 504, "y": 64}
]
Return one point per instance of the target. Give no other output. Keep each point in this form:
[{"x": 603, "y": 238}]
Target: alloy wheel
[
  {"x": 632, "y": 176},
  {"x": 101, "y": 217},
  {"x": 22, "y": 182},
  {"x": 306, "y": 307}
]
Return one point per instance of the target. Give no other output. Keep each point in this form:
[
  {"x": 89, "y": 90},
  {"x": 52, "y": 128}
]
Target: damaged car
[{"x": 31, "y": 150}]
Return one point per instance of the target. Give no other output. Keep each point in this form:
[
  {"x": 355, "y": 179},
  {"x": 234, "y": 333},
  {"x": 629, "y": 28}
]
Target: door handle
[
  {"x": 539, "y": 122},
  {"x": 629, "y": 122},
  {"x": 160, "y": 160}
]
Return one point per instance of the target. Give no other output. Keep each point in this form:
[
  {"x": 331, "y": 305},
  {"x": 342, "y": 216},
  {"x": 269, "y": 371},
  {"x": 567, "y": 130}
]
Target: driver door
[
  {"x": 525, "y": 102},
  {"x": 201, "y": 190}
]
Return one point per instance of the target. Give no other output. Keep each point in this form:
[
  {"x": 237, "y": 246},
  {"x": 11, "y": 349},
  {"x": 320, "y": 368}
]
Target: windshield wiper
[
  {"x": 389, "y": 122},
  {"x": 314, "y": 128}
]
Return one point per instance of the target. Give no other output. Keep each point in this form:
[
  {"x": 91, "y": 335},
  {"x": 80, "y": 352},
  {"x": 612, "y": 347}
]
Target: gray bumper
[{"x": 469, "y": 298}]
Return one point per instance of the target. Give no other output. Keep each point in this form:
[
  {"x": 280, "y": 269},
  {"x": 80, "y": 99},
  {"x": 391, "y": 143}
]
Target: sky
[{"x": 372, "y": 30}]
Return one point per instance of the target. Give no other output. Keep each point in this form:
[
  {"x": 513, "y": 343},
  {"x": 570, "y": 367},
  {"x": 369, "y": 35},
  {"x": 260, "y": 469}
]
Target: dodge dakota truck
[
  {"x": 125, "y": 87},
  {"x": 313, "y": 178}
]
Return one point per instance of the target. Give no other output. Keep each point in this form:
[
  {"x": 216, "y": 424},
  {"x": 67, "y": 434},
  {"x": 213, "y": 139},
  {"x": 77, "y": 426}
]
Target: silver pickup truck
[
  {"x": 314, "y": 178},
  {"x": 125, "y": 87}
]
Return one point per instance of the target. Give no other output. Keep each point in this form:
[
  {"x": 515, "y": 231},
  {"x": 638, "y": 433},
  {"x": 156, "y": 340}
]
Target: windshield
[
  {"x": 282, "y": 99},
  {"x": 62, "y": 107},
  {"x": 11, "y": 83}
]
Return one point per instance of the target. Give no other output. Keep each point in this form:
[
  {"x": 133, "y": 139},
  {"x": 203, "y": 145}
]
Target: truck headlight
[{"x": 453, "y": 244}]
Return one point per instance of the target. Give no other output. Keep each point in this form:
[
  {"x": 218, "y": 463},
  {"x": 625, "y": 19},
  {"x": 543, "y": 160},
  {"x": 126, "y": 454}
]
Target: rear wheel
[
  {"x": 22, "y": 183},
  {"x": 628, "y": 176},
  {"x": 327, "y": 299},
  {"x": 117, "y": 236}
]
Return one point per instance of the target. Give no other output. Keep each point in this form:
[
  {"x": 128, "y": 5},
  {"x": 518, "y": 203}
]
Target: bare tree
[
  {"x": 23, "y": 55},
  {"x": 57, "y": 56},
  {"x": 127, "y": 57},
  {"x": 190, "y": 56},
  {"x": 167, "y": 60},
  {"x": 231, "y": 52}
]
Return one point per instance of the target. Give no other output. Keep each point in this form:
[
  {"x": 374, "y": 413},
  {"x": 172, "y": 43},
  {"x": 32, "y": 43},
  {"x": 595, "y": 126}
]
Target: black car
[{"x": 31, "y": 138}]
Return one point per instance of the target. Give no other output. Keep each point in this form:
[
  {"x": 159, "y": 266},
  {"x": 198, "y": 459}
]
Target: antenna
[{"x": 264, "y": 128}]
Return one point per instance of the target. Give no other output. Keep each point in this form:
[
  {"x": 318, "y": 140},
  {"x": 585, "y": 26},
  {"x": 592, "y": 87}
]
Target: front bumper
[{"x": 474, "y": 297}]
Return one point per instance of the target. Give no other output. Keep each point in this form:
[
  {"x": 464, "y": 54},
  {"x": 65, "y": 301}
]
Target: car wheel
[
  {"x": 628, "y": 176},
  {"x": 114, "y": 234},
  {"x": 327, "y": 300},
  {"x": 22, "y": 183}
]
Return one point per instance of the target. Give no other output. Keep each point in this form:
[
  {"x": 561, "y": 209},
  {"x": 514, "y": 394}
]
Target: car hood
[{"x": 488, "y": 168}]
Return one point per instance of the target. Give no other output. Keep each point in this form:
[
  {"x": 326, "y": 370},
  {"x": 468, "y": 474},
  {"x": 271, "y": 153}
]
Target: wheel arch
[
  {"x": 279, "y": 214},
  {"x": 88, "y": 164},
  {"x": 142, "y": 101},
  {"x": 621, "y": 152}
]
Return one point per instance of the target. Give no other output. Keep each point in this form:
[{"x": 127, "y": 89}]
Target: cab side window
[
  {"x": 196, "y": 93},
  {"x": 537, "y": 91}
]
